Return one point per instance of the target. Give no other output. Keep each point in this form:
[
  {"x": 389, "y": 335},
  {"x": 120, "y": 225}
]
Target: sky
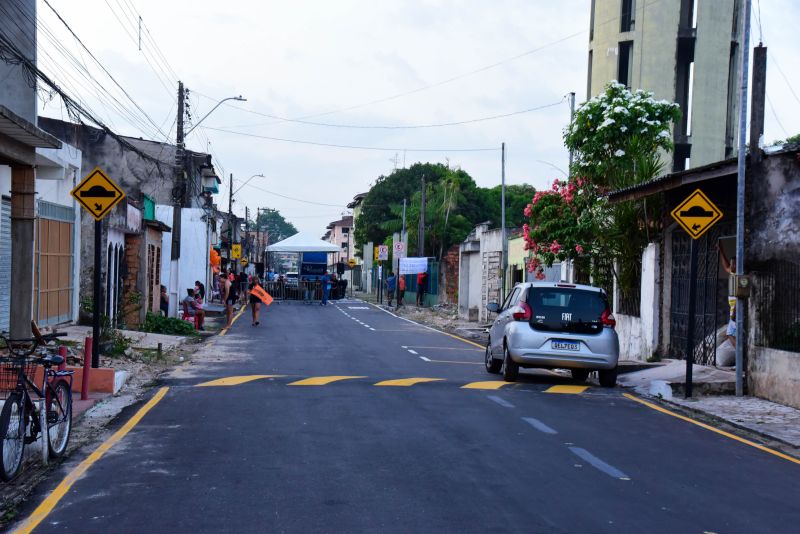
[{"x": 356, "y": 63}]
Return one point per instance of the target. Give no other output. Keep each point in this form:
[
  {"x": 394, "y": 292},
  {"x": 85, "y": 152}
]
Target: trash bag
[{"x": 726, "y": 354}]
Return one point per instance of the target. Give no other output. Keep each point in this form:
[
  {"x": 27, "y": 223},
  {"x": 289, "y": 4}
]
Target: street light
[
  {"x": 239, "y": 98},
  {"x": 247, "y": 182}
]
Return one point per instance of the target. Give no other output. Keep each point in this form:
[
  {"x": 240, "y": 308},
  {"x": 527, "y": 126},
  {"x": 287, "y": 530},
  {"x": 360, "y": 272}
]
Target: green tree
[{"x": 273, "y": 222}]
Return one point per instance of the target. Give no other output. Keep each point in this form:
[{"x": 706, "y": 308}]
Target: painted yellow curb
[
  {"x": 235, "y": 317},
  {"x": 57, "y": 494},
  {"x": 487, "y": 384}
]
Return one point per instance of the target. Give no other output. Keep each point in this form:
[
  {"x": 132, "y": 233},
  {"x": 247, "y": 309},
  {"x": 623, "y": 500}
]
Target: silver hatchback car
[{"x": 554, "y": 325}]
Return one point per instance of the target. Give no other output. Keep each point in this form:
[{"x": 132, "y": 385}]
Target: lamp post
[{"x": 239, "y": 98}]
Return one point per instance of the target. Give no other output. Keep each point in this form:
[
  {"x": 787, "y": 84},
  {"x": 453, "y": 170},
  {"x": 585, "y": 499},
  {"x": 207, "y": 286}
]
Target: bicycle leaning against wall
[{"x": 22, "y": 419}]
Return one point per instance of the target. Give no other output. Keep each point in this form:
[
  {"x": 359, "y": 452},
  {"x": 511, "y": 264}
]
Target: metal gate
[
  {"x": 711, "y": 309},
  {"x": 5, "y": 262}
]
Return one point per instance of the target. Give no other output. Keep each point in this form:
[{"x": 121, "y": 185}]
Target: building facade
[{"x": 684, "y": 51}]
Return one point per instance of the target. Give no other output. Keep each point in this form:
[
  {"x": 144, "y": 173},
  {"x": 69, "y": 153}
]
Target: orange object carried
[{"x": 259, "y": 292}]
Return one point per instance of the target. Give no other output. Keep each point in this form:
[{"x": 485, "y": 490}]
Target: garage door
[{"x": 5, "y": 262}]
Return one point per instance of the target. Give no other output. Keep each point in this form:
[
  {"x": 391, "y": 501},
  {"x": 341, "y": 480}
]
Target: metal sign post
[
  {"x": 696, "y": 214},
  {"x": 98, "y": 194}
]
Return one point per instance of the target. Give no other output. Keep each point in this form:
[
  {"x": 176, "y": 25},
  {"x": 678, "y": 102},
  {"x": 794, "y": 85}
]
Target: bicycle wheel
[
  {"x": 59, "y": 417},
  {"x": 12, "y": 432}
]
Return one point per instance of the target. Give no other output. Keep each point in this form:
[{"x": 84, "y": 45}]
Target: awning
[
  {"x": 303, "y": 242},
  {"x": 27, "y": 133}
]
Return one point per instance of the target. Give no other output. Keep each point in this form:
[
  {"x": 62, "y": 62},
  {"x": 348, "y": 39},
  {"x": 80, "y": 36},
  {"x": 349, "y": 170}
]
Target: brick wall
[
  {"x": 132, "y": 297},
  {"x": 450, "y": 264}
]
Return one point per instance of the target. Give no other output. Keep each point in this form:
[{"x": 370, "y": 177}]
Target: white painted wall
[
  {"x": 638, "y": 336},
  {"x": 180, "y": 275}
]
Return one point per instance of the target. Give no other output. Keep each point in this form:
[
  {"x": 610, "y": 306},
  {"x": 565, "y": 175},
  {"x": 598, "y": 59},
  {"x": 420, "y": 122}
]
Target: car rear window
[{"x": 563, "y": 309}]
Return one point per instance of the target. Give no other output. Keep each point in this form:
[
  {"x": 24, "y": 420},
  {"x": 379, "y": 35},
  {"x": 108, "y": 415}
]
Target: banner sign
[
  {"x": 413, "y": 265},
  {"x": 259, "y": 292}
]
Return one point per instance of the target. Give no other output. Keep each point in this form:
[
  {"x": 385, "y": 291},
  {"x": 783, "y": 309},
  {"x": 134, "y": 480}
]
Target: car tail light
[
  {"x": 607, "y": 318},
  {"x": 522, "y": 312}
]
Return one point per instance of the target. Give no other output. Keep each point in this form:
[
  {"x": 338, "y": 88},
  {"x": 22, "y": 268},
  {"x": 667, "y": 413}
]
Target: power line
[
  {"x": 788, "y": 83},
  {"x": 293, "y": 198},
  {"x": 64, "y": 22},
  {"x": 395, "y": 127},
  {"x": 774, "y": 114},
  {"x": 355, "y": 147}
]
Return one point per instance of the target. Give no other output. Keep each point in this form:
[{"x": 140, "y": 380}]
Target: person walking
[
  {"x": 255, "y": 302},
  {"x": 326, "y": 280},
  {"x": 401, "y": 290},
  {"x": 422, "y": 279},
  {"x": 391, "y": 285},
  {"x": 231, "y": 296},
  {"x": 243, "y": 283}
]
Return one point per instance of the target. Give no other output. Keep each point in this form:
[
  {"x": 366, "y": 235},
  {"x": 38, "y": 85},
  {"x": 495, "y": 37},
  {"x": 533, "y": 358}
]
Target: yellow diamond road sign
[
  {"x": 236, "y": 251},
  {"x": 97, "y": 193},
  {"x": 696, "y": 214},
  {"x": 351, "y": 262}
]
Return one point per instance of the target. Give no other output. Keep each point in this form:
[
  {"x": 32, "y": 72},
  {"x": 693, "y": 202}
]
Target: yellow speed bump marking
[
  {"x": 407, "y": 381},
  {"x": 569, "y": 390},
  {"x": 322, "y": 380},
  {"x": 64, "y": 486},
  {"x": 236, "y": 380},
  {"x": 487, "y": 384},
  {"x": 712, "y": 429}
]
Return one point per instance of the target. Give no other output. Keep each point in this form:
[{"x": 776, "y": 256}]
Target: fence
[
  {"x": 304, "y": 290},
  {"x": 432, "y": 285},
  {"x": 777, "y": 301}
]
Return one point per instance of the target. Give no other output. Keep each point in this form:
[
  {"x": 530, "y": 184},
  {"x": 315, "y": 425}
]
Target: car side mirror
[{"x": 493, "y": 307}]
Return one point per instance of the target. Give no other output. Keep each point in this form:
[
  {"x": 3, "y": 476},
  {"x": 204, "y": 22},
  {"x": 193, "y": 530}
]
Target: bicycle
[{"x": 21, "y": 421}]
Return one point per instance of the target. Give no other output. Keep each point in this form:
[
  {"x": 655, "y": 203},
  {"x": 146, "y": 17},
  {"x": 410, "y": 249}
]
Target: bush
[{"x": 158, "y": 324}]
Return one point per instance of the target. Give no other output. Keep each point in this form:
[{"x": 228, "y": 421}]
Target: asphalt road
[{"x": 301, "y": 453}]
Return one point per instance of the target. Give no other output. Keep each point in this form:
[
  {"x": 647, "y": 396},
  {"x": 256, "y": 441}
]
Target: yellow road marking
[
  {"x": 487, "y": 384},
  {"x": 451, "y": 361},
  {"x": 236, "y": 380},
  {"x": 440, "y": 348},
  {"x": 407, "y": 381},
  {"x": 712, "y": 429},
  {"x": 57, "y": 494},
  {"x": 239, "y": 314},
  {"x": 462, "y": 339},
  {"x": 570, "y": 390},
  {"x": 322, "y": 380}
]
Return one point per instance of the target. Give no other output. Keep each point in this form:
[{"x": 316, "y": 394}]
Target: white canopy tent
[{"x": 303, "y": 242}]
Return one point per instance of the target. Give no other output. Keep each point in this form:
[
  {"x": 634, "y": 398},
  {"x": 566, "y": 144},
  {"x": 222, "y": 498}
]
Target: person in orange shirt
[{"x": 401, "y": 289}]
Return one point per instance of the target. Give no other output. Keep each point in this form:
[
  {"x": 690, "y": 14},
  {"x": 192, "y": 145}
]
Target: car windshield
[{"x": 564, "y": 309}]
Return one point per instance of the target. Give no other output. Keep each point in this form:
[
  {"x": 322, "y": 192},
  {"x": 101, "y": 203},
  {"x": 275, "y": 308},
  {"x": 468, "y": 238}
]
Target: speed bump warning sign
[
  {"x": 97, "y": 193},
  {"x": 696, "y": 214}
]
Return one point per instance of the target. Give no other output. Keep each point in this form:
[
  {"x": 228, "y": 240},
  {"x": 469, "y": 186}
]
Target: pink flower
[
  {"x": 579, "y": 249},
  {"x": 555, "y": 247},
  {"x": 527, "y": 211},
  {"x": 540, "y": 275}
]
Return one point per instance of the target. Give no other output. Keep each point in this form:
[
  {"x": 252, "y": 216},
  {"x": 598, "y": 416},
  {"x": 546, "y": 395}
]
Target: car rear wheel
[
  {"x": 580, "y": 374},
  {"x": 510, "y": 367},
  {"x": 493, "y": 365},
  {"x": 608, "y": 377}
]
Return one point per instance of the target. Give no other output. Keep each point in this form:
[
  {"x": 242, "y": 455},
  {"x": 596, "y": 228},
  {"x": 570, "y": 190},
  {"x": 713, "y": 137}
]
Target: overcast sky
[{"x": 329, "y": 61}]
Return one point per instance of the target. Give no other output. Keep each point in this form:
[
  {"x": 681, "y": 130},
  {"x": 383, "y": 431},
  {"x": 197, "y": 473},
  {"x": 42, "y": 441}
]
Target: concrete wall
[
  {"x": 639, "y": 336},
  {"x": 17, "y": 22},
  {"x": 774, "y": 375}
]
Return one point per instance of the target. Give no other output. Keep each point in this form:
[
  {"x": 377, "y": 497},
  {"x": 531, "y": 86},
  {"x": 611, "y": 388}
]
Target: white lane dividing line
[
  {"x": 412, "y": 351},
  {"x": 599, "y": 464},
  {"x": 403, "y": 347},
  {"x": 502, "y": 402},
  {"x": 371, "y": 328},
  {"x": 538, "y": 425},
  {"x": 424, "y": 359},
  {"x": 367, "y": 326}
]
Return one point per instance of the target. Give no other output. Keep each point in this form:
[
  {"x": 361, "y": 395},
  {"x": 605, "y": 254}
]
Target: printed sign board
[
  {"x": 413, "y": 265},
  {"x": 351, "y": 262},
  {"x": 97, "y": 193},
  {"x": 236, "y": 251},
  {"x": 399, "y": 249},
  {"x": 383, "y": 252},
  {"x": 696, "y": 214}
]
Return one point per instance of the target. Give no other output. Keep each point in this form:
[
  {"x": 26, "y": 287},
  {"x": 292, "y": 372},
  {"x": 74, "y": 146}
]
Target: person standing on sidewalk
[
  {"x": 231, "y": 295},
  {"x": 730, "y": 268},
  {"x": 422, "y": 279},
  {"x": 401, "y": 289},
  {"x": 391, "y": 285}
]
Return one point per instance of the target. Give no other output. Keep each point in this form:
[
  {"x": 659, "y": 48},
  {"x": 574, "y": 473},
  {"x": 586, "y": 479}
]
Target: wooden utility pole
[{"x": 180, "y": 179}]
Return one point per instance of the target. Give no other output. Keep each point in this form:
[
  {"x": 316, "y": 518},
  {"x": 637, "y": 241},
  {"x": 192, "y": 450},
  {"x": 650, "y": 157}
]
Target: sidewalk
[
  {"x": 666, "y": 383},
  {"x": 141, "y": 340}
]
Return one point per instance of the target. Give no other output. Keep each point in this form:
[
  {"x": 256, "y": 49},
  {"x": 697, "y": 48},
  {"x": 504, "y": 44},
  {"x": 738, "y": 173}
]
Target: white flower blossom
[
  {"x": 623, "y": 129},
  {"x": 608, "y": 122},
  {"x": 619, "y": 153}
]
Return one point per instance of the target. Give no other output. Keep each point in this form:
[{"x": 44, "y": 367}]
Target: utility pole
[
  {"x": 180, "y": 182},
  {"x": 230, "y": 224},
  {"x": 421, "y": 230},
  {"x": 741, "y": 303},
  {"x": 247, "y": 228},
  {"x": 503, "y": 214},
  {"x": 571, "y": 117}
]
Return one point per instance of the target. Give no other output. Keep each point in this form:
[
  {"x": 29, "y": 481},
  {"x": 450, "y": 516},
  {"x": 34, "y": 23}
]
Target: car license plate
[{"x": 566, "y": 345}]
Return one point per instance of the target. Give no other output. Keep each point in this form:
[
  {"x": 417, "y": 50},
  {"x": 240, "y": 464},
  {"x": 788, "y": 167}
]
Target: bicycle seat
[{"x": 53, "y": 359}]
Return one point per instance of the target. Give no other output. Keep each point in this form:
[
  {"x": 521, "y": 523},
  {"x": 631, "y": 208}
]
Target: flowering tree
[{"x": 617, "y": 138}]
